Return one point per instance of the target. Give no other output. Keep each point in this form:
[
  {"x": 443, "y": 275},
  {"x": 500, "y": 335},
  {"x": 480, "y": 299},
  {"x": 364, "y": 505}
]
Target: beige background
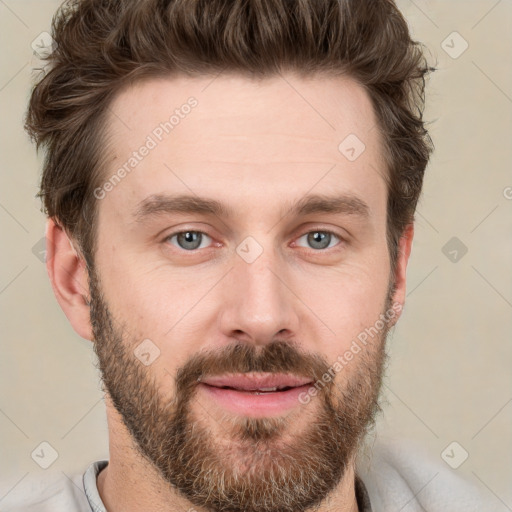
[{"x": 450, "y": 373}]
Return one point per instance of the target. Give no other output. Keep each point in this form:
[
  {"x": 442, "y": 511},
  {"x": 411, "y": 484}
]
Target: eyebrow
[{"x": 157, "y": 204}]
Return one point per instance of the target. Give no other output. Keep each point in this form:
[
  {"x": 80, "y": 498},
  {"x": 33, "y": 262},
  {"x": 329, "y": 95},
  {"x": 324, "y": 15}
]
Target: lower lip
[{"x": 251, "y": 404}]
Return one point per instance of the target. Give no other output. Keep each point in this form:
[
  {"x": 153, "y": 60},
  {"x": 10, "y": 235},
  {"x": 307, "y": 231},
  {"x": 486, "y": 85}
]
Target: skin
[{"x": 278, "y": 143}]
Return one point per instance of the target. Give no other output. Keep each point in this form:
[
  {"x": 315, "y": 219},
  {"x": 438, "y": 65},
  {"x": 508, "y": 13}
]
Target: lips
[{"x": 264, "y": 382}]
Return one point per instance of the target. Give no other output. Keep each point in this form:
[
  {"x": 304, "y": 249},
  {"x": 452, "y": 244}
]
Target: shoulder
[
  {"x": 399, "y": 474},
  {"x": 48, "y": 493}
]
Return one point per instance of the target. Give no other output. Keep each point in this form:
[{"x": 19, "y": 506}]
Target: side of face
[{"x": 191, "y": 282}]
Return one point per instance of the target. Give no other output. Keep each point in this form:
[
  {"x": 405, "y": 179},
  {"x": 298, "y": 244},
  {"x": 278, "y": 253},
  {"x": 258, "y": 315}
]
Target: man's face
[{"x": 256, "y": 288}]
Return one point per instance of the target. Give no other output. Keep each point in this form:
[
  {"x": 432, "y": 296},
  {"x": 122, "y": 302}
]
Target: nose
[{"x": 258, "y": 301}]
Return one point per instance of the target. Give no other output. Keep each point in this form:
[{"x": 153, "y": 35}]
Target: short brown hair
[{"x": 103, "y": 45}]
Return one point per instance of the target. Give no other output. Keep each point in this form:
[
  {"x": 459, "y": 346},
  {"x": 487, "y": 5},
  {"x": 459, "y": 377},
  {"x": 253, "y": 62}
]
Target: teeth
[{"x": 263, "y": 390}]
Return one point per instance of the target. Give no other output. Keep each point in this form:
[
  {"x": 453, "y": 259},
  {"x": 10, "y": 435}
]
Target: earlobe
[
  {"x": 404, "y": 251},
  {"x": 69, "y": 278}
]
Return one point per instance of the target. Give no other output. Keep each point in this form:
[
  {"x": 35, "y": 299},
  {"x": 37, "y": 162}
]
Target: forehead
[{"x": 232, "y": 135}]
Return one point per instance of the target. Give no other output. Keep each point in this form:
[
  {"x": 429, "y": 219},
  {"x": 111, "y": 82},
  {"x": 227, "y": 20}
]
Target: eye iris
[
  {"x": 189, "y": 239},
  {"x": 319, "y": 239}
]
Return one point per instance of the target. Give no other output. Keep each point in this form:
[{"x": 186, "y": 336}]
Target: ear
[
  {"x": 69, "y": 277},
  {"x": 404, "y": 251}
]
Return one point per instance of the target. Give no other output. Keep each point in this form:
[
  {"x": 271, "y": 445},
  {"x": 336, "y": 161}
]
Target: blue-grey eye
[
  {"x": 190, "y": 240},
  {"x": 320, "y": 239}
]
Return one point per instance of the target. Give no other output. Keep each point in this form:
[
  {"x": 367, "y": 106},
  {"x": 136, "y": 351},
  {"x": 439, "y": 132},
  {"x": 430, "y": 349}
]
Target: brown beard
[{"x": 259, "y": 467}]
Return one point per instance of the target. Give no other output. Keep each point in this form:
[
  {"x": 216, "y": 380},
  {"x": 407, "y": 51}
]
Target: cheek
[
  {"x": 134, "y": 295},
  {"x": 348, "y": 301},
  {"x": 157, "y": 302}
]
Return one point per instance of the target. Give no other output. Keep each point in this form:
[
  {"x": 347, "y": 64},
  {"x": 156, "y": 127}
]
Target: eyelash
[{"x": 326, "y": 231}]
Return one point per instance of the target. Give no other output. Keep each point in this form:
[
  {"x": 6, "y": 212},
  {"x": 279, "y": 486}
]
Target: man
[{"x": 230, "y": 190}]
